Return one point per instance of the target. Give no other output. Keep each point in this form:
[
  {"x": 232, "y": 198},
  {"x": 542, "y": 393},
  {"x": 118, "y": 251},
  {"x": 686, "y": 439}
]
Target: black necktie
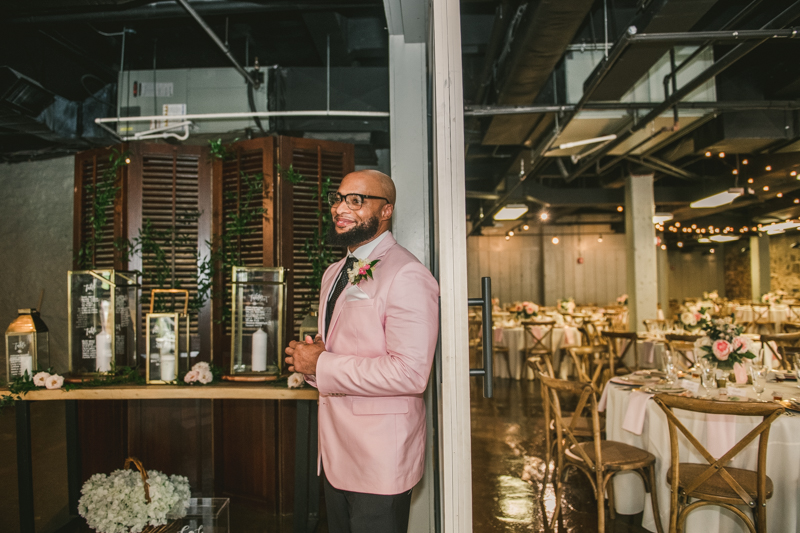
[{"x": 341, "y": 282}]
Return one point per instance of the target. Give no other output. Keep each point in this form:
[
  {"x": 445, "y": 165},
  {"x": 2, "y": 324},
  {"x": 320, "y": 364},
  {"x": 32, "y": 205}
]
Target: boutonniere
[{"x": 361, "y": 270}]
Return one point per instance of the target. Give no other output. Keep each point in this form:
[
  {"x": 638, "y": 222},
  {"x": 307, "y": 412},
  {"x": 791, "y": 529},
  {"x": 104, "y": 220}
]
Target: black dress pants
[{"x": 357, "y": 512}]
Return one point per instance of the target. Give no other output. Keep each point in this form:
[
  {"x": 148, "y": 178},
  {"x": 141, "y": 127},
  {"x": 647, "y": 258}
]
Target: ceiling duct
[
  {"x": 662, "y": 16},
  {"x": 543, "y": 34},
  {"x": 21, "y": 94}
]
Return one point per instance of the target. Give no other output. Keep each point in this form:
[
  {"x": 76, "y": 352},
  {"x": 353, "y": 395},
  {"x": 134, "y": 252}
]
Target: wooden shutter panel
[
  {"x": 169, "y": 187},
  {"x": 90, "y": 168},
  {"x": 315, "y": 160}
]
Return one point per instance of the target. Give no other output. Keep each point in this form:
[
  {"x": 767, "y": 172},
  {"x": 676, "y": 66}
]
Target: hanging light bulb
[
  {"x": 793, "y": 173},
  {"x": 620, "y": 209},
  {"x": 555, "y": 240},
  {"x": 745, "y": 161},
  {"x": 779, "y": 195},
  {"x": 708, "y": 154},
  {"x": 768, "y": 168},
  {"x": 766, "y": 188},
  {"x": 507, "y": 237},
  {"x": 511, "y": 233},
  {"x": 600, "y": 238},
  {"x": 721, "y": 155},
  {"x": 526, "y": 227},
  {"x": 735, "y": 172},
  {"x": 543, "y": 215},
  {"x": 680, "y": 244},
  {"x": 749, "y": 180},
  {"x": 663, "y": 246}
]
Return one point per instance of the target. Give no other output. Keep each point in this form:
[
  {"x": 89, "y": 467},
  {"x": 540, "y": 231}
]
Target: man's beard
[{"x": 356, "y": 235}]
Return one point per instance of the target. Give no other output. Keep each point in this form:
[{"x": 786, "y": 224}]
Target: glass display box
[
  {"x": 100, "y": 341},
  {"x": 309, "y": 325},
  {"x": 206, "y": 515},
  {"x": 167, "y": 340},
  {"x": 27, "y": 345},
  {"x": 258, "y": 304}
]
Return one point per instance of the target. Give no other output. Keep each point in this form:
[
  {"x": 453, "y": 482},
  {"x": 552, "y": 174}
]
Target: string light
[
  {"x": 511, "y": 233},
  {"x": 680, "y": 244},
  {"x": 749, "y": 180},
  {"x": 766, "y": 188},
  {"x": 712, "y": 250},
  {"x": 526, "y": 227},
  {"x": 721, "y": 155},
  {"x": 735, "y": 172},
  {"x": 620, "y": 209},
  {"x": 708, "y": 154},
  {"x": 745, "y": 161},
  {"x": 555, "y": 240},
  {"x": 543, "y": 215},
  {"x": 780, "y": 195},
  {"x": 663, "y": 246},
  {"x": 793, "y": 173},
  {"x": 507, "y": 237},
  {"x": 677, "y": 224},
  {"x": 768, "y": 168},
  {"x": 600, "y": 238},
  {"x": 797, "y": 200}
]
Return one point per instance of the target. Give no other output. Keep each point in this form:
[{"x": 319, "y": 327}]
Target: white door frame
[{"x": 455, "y": 457}]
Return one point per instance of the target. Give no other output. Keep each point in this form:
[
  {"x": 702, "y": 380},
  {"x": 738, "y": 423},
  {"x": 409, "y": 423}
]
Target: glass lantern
[
  {"x": 100, "y": 341},
  {"x": 27, "y": 345},
  {"x": 167, "y": 340},
  {"x": 259, "y": 295}
]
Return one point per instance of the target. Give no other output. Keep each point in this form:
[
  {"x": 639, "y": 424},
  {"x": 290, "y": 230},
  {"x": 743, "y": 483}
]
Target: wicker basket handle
[{"x": 138, "y": 464}]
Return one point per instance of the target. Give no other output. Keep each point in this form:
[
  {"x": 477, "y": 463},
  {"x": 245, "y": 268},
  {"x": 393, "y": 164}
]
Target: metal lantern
[
  {"x": 259, "y": 295},
  {"x": 27, "y": 345},
  {"x": 167, "y": 340},
  {"x": 101, "y": 340},
  {"x": 309, "y": 326}
]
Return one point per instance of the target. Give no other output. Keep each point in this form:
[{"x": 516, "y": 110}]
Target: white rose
[
  {"x": 295, "y": 380},
  {"x": 205, "y": 377},
  {"x": 40, "y": 379},
  {"x": 54, "y": 382},
  {"x": 688, "y": 318}
]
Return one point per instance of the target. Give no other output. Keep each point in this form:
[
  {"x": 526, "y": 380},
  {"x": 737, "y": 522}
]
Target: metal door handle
[{"x": 485, "y": 302}]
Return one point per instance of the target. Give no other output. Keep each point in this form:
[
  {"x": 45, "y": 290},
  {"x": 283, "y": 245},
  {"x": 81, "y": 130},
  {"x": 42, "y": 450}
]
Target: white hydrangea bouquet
[
  {"x": 566, "y": 305},
  {"x": 130, "y": 501}
]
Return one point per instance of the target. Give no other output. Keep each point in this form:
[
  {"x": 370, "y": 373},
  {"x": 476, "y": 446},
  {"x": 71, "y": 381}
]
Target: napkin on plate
[{"x": 637, "y": 408}]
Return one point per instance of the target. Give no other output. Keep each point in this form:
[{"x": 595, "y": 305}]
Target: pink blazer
[{"x": 379, "y": 352}]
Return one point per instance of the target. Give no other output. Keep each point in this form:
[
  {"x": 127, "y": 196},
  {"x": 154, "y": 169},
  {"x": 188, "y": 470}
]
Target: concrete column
[
  {"x": 759, "y": 265},
  {"x": 663, "y": 280},
  {"x": 408, "y": 106},
  {"x": 640, "y": 237}
]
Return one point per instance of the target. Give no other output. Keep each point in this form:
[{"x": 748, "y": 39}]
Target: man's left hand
[{"x": 303, "y": 356}]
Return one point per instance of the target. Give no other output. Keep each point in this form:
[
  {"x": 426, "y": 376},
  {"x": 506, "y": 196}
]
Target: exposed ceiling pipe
[
  {"x": 222, "y": 46},
  {"x": 789, "y": 15},
  {"x": 694, "y": 37},
  {"x": 745, "y": 105}
]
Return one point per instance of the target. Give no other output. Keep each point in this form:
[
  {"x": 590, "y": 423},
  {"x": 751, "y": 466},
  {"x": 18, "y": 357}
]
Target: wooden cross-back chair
[
  {"x": 476, "y": 344},
  {"x": 793, "y": 314},
  {"x": 791, "y": 327},
  {"x": 535, "y": 346},
  {"x": 789, "y": 354},
  {"x": 715, "y": 483},
  {"x": 614, "y": 363},
  {"x": 596, "y": 458},
  {"x": 589, "y": 362},
  {"x": 772, "y": 344},
  {"x": 683, "y": 345},
  {"x": 760, "y": 318}
]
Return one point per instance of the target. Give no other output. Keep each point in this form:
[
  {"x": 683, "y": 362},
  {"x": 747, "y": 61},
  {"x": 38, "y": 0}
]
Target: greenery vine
[
  {"x": 316, "y": 248},
  {"x": 103, "y": 193},
  {"x": 290, "y": 174}
]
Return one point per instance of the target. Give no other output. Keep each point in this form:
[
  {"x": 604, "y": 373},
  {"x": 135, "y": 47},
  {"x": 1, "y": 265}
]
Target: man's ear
[{"x": 386, "y": 212}]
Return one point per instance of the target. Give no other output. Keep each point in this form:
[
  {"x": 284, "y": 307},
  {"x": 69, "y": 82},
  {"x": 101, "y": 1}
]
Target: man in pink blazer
[{"x": 371, "y": 362}]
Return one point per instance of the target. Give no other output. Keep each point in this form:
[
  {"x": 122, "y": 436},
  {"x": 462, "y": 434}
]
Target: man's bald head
[{"x": 376, "y": 181}]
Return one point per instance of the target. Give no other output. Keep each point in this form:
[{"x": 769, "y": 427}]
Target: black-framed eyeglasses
[{"x": 353, "y": 200}]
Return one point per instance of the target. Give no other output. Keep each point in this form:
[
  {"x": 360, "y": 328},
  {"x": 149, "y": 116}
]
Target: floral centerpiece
[
  {"x": 121, "y": 502},
  {"x": 525, "y": 310},
  {"x": 712, "y": 296},
  {"x": 566, "y": 305},
  {"x": 693, "y": 316},
  {"x": 622, "y": 299},
  {"x": 725, "y": 345},
  {"x": 774, "y": 297}
]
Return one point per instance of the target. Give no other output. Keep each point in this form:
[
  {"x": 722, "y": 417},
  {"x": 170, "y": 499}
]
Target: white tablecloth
[
  {"x": 514, "y": 339},
  {"x": 783, "y": 466},
  {"x": 778, "y": 314}
]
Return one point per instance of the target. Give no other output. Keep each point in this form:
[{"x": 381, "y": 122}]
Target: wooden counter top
[{"x": 221, "y": 391}]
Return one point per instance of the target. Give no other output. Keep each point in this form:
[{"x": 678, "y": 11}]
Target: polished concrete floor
[{"x": 508, "y": 447}]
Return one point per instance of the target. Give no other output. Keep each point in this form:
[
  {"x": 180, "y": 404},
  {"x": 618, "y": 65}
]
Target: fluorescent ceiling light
[
  {"x": 660, "y": 218},
  {"x": 584, "y": 142},
  {"x": 724, "y": 238},
  {"x": 511, "y": 212},
  {"x": 716, "y": 200},
  {"x": 774, "y": 229},
  {"x": 704, "y": 240}
]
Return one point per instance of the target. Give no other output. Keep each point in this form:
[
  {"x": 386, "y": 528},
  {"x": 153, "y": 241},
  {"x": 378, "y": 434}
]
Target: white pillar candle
[
  {"x": 26, "y": 365},
  {"x": 259, "y": 351},
  {"x": 168, "y": 368},
  {"x": 103, "y": 352}
]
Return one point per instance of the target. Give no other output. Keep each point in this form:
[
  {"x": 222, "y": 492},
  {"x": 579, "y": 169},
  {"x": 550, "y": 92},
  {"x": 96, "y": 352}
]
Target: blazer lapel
[
  {"x": 377, "y": 253},
  {"x": 325, "y": 290}
]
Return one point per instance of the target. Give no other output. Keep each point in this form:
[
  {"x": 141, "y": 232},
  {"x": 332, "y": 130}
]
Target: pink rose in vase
[{"x": 722, "y": 349}]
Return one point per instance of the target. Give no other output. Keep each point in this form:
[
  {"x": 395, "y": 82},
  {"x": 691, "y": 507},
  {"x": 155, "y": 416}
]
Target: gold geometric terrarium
[
  {"x": 167, "y": 340},
  {"x": 258, "y": 306}
]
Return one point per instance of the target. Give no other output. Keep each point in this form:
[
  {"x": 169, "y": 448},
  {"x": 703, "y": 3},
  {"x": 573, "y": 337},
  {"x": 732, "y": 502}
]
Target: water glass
[
  {"x": 758, "y": 373},
  {"x": 709, "y": 376},
  {"x": 670, "y": 370}
]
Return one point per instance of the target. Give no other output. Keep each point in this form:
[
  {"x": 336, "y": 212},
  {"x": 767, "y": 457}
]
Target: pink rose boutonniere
[{"x": 361, "y": 270}]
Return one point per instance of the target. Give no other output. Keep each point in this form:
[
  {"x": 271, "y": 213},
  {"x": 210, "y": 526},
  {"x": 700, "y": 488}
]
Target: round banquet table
[
  {"x": 783, "y": 466},
  {"x": 513, "y": 338},
  {"x": 778, "y": 314}
]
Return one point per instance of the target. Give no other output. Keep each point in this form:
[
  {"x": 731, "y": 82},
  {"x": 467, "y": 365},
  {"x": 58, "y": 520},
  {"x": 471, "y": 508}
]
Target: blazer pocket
[
  {"x": 349, "y": 304},
  {"x": 380, "y": 406}
]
